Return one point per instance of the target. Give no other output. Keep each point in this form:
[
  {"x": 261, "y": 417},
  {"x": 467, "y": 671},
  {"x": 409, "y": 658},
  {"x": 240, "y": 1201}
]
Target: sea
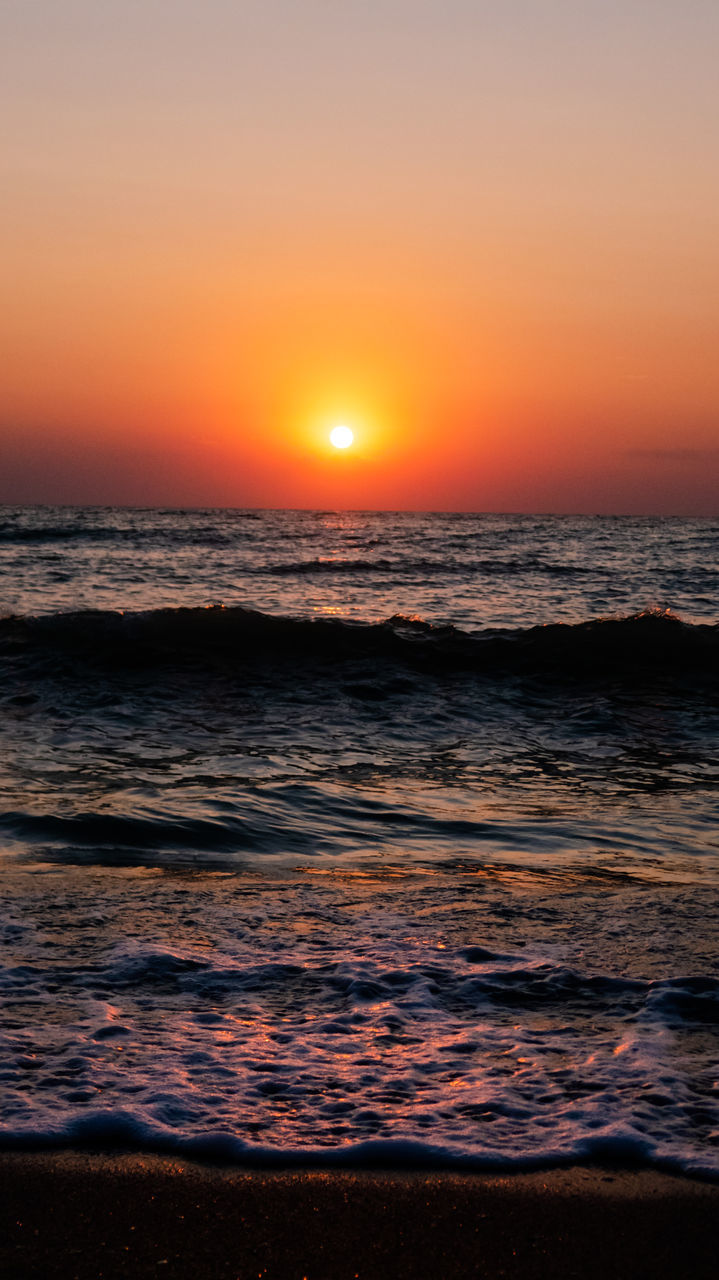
[{"x": 360, "y": 838}]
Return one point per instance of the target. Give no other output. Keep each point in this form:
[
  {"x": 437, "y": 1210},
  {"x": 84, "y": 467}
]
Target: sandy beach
[{"x": 82, "y": 1215}]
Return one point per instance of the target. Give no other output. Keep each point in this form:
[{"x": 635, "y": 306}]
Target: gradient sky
[{"x": 483, "y": 235}]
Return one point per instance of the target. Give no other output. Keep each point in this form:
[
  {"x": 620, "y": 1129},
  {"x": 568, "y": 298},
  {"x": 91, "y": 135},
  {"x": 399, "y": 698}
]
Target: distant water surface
[
  {"x": 463, "y": 570},
  {"x": 360, "y": 836}
]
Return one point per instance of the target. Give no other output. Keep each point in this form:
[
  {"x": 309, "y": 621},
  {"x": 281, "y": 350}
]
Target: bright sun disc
[{"x": 341, "y": 437}]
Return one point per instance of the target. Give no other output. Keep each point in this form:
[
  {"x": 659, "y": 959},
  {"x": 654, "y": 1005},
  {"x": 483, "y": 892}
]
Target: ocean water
[{"x": 360, "y": 837}]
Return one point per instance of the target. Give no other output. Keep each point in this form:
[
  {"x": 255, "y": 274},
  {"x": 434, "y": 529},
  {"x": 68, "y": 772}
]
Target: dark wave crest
[
  {"x": 408, "y": 567},
  {"x": 641, "y": 647},
  {"x": 31, "y": 534},
  {"x": 91, "y": 533}
]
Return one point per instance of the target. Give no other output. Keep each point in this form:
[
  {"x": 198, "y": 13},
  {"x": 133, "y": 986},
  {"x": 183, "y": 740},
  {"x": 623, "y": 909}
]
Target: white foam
[{"x": 296, "y": 1020}]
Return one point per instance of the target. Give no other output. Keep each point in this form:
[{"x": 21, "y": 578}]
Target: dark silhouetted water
[{"x": 360, "y": 837}]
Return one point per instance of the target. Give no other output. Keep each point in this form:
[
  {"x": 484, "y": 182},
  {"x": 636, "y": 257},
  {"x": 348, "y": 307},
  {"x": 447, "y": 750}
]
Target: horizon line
[{"x": 364, "y": 511}]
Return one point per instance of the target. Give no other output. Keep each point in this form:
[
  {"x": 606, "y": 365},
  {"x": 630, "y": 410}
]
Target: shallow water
[{"x": 285, "y": 876}]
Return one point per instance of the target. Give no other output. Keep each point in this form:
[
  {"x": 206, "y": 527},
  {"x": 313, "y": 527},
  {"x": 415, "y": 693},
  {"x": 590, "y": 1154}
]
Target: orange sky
[{"x": 485, "y": 240}]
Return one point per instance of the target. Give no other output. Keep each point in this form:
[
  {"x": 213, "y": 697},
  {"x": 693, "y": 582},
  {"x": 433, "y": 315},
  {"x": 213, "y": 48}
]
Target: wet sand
[{"x": 72, "y": 1214}]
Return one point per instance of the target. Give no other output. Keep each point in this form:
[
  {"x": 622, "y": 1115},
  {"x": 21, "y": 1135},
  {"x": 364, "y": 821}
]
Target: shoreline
[{"x": 81, "y": 1215}]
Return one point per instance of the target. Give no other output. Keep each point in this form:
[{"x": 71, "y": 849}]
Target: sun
[{"x": 341, "y": 437}]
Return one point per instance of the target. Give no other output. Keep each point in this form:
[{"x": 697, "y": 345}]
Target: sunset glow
[
  {"x": 496, "y": 248},
  {"x": 359, "y": 637}
]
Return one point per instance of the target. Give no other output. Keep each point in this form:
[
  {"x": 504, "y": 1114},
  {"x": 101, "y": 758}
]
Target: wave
[
  {"x": 643, "y": 646},
  {"x": 114, "y": 1130},
  {"x": 11, "y": 532},
  {"x": 595, "y": 1108},
  {"x": 474, "y": 1082},
  {"x": 32, "y": 535},
  {"x": 407, "y": 567}
]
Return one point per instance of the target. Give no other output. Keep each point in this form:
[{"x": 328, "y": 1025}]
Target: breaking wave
[{"x": 641, "y": 647}]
